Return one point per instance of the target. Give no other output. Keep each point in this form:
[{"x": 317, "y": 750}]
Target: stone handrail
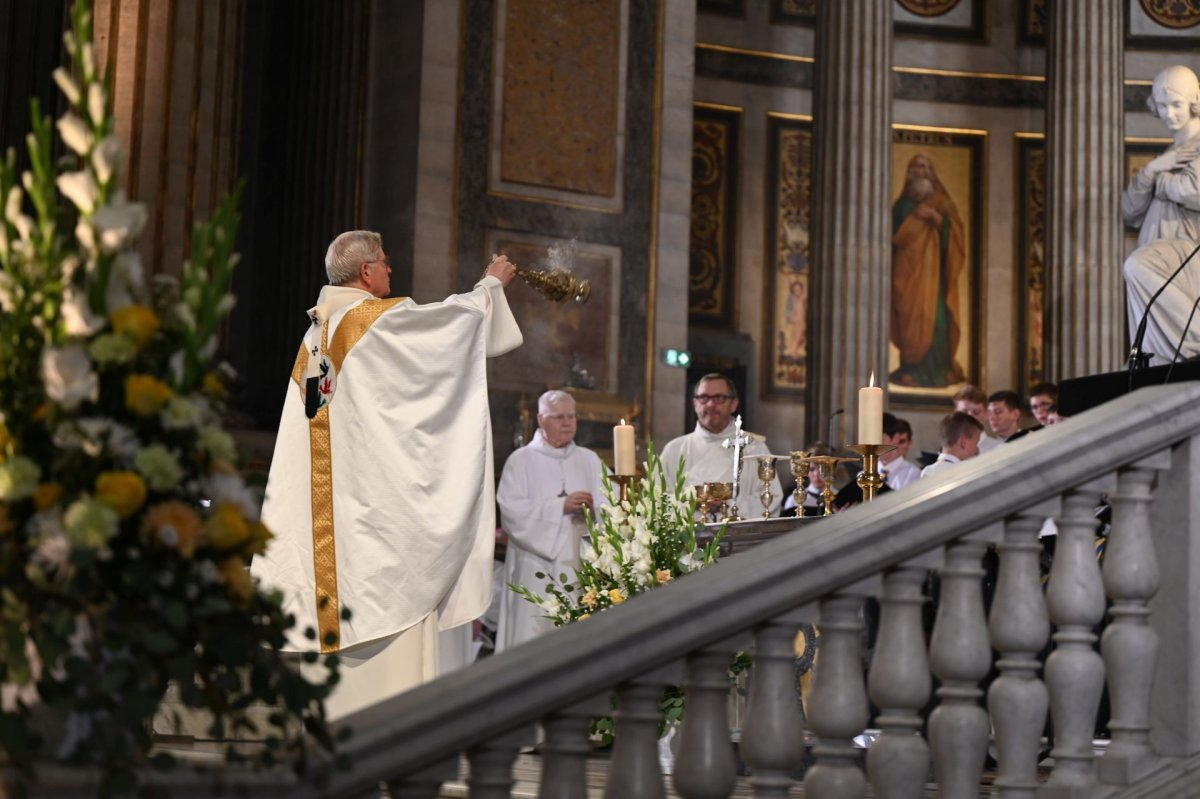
[{"x": 720, "y": 607}]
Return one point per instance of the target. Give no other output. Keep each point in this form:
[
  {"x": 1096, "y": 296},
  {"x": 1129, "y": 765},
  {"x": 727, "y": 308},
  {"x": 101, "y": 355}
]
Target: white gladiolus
[
  {"x": 68, "y": 377},
  {"x": 95, "y": 101},
  {"x": 118, "y": 223},
  {"x": 85, "y": 234},
  {"x": 7, "y": 300},
  {"x": 67, "y": 85},
  {"x": 77, "y": 315},
  {"x": 107, "y": 158},
  {"x": 75, "y": 133},
  {"x": 88, "y": 56},
  {"x": 80, "y": 189},
  {"x": 225, "y": 304},
  {"x": 12, "y": 212}
]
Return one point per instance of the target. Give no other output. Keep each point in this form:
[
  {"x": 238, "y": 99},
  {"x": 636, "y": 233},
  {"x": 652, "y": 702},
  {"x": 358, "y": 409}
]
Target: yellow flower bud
[
  {"x": 615, "y": 597},
  {"x": 124, "y": 492},
  {"x": 146, "y": 395},
  {"x": 136, "y": 321}
]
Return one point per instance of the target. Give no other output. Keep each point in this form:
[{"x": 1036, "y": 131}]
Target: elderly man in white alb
[
  {"x": 706, "y": 460},
  {"x": 385, "y": 428},
  {"x": 1163, "y": 199},
  {"x": 544, "y": 489}
]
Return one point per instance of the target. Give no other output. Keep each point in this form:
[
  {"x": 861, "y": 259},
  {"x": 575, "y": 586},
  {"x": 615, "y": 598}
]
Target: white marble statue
[{"x": 1163, "y": 199}]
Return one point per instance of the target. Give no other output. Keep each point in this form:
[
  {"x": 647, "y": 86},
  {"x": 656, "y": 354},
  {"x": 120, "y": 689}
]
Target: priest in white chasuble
[
  {"x": 707, "y": 459},
  {"x": 385, "y": 429},
  {"x": 544, "y": 489}
]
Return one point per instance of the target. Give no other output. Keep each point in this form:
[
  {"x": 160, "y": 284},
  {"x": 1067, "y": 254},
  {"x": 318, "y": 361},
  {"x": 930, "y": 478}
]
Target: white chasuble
[
  {"x": 366, "y": 499},
  {"x": 541, "y": 538},
  {"x": 707, "y": 461}
]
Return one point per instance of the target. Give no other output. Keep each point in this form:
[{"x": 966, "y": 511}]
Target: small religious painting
[
  {"x": 803, "y": 12},
  {"x": 566, "y": 343},
  {"x": 1162, "y": 24},
  {"x": 789, "y": 219},
  {"x": 1031, "y": 260},
  {"x": 937, "y": 262},
  {"x": 1138, "y": 153},
  {"x": 712, "y": 247},
  {"x": 942, "y": 19}
]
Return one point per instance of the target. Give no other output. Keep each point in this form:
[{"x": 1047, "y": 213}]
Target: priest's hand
[
  {"x": 577, "y": 501},
  {"x": 502, "y": 269}
]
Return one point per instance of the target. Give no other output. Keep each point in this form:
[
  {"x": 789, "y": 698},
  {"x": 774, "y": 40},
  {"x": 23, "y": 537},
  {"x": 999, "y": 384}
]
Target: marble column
[
  {"x": 1084, "y": 135},
  {"x": 851, "y": 254}
]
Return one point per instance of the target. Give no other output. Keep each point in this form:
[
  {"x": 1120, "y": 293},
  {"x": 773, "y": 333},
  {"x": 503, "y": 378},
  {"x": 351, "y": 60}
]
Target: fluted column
[
  {"x": 851, "y": 219},
  {"x": 1085, "y": 126}
]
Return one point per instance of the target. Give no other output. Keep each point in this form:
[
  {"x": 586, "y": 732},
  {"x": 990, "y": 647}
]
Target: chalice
[
  {"x": 711, "y": 497},
  {"x": 766, "y": 473}
]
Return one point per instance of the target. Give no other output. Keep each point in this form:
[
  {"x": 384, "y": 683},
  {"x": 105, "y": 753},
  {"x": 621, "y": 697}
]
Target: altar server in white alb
[
  {"x": 385, "y": 429},
  {"x": 544, "y": 489},
  {"x": 706, "y": 459}
]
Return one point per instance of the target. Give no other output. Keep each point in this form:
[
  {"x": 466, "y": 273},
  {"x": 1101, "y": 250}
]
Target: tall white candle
[
  {"x": 624, "y": 451},
  {"x": 870, "y": 413}
]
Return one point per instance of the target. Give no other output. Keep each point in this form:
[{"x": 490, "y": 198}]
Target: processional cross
[{"x": 738, "y": 444}]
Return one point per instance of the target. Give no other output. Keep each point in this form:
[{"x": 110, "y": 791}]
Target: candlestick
[
  {"x": 870, "y": 413},
  {"x": 624, "y": 457},
  {"x": 827, "y": 464},
  {"x": 869, "y": 479}
]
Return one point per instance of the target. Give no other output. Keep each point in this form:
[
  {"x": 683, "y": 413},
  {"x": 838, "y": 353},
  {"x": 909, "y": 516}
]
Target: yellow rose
[
  {"x": 175, "y": 525},
  {"x": 237, "y": 577},
  {"x": 47, "y": 494},
  {"x": 124, "y": 492},
  {"x": 146, "y": 395},
  {"x": 136, "y": 321},
  {"x": 615, "y": 597},
  {"x": 226, "y": 530}
]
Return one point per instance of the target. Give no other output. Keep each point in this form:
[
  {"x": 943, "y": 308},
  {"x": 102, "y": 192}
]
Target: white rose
[{"x": 67, "y": 376}]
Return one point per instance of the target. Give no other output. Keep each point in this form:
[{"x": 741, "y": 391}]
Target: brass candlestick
[
  {"x": 827, "y": 464},
  {"x": 624, "y": 481},
  {"x": 869, "y": 479}
]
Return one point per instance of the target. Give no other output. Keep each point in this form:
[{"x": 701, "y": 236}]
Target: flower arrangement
[
  {"x": 636, "y": 545},
  {"x": 125, "y": 527}
]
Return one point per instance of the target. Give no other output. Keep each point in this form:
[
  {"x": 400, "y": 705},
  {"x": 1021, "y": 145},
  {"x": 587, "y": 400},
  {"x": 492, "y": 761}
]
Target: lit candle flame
[
  {"x": 622, "y": 419},
  {"x": 872, "y": 383}
]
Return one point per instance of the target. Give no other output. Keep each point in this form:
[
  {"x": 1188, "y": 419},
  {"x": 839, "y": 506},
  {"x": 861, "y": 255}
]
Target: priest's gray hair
[
  {"x": 348, "y": 252},
  {"x": 551, "y": 398}
]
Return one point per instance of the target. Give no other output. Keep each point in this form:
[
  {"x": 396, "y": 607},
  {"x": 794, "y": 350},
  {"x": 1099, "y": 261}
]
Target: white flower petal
[
  {"x": 67, "y": 85},
  {"x": 75, "y": 133},
  {"x": 80, "y": 189},
  {"x": 95, "y": 99}
]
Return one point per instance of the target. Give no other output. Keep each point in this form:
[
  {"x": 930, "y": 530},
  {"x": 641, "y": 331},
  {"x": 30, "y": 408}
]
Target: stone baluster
[
  {"x": 491, "y": 764},
  {"x": 899, "y": 685},
  {"x": 773, "y": 734},
  {"x": 959, "y": 655},
  {"x": 564, "y": 774},
  {"x": 1074, "y": 670},
  {"x": 1130, "y": 645},
  {"x": 423, "y": 784},
  {"x": 1020, "y": 627},
  {"x": 635, "y": 770},
  {"x": 706, "y": 767},
  {"x": 837, "y": 704}
]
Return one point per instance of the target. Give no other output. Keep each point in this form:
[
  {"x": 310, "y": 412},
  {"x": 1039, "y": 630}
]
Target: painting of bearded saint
[{"x": 929, "y": 253}]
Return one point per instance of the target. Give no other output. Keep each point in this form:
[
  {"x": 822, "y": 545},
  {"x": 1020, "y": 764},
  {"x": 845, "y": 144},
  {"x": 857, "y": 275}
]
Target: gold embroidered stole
[{"x": 354, "y": 324}]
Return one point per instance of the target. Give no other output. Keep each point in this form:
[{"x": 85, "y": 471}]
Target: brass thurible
[{"x": 557, "y": 285}]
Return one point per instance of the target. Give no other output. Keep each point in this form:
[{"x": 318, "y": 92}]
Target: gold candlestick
[
  {"x": 624, "y": 481},
  {"x": 869, "y": 479},
  {"x": 827, "y": 464}
]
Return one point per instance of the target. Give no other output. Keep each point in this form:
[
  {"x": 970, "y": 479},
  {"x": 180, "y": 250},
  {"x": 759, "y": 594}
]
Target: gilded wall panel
[{"x": 560, "y": 93}]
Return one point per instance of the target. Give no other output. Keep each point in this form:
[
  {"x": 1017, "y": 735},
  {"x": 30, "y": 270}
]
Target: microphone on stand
[
  {"x": 1137, "y": 358},
  {"x": 1182, "y": 338},
  {"x": 829, "y": 428}
]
